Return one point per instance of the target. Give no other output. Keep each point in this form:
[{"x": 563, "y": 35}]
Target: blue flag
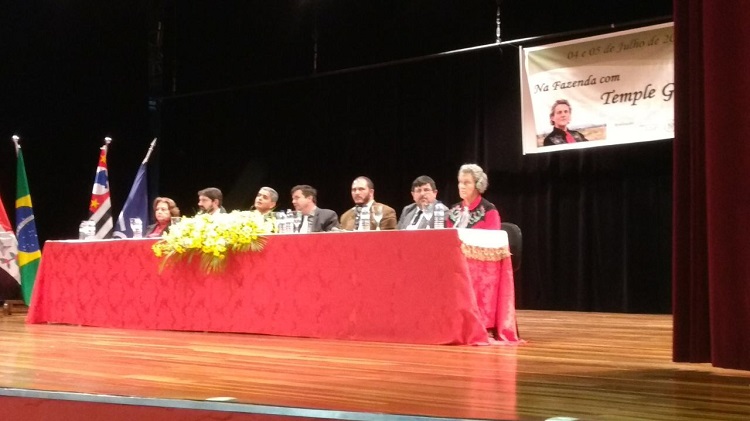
[
  {"x": 135, "y": 207},
  {"x": 137, "y": 204}
]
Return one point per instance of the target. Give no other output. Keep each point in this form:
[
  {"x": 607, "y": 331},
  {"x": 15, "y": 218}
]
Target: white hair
[
  {"x": 273, "y": 195},
  {"x": 477, "y": 173}
]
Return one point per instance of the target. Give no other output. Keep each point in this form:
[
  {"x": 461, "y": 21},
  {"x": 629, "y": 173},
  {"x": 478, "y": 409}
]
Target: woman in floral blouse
[{"x": 473, "y": 211}]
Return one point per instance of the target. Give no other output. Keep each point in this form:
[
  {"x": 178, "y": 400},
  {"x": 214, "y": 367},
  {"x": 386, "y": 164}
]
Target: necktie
[
  {"x": 569, "y": 137},
  {"x": 415, "y": 221}
]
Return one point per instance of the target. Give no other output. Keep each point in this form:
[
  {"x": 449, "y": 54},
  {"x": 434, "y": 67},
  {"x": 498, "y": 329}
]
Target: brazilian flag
[{"x": 29, "y": 254}]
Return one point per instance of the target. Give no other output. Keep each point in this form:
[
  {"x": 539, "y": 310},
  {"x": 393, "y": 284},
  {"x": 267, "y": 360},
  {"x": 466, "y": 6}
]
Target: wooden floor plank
[{"x": 581, "y": 365}]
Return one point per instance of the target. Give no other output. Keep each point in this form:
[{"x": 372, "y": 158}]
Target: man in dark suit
[
  {"x": 363, "y": 194},
  {"x": 314, "y": 219},
  {"x": 419, "y": 215}
]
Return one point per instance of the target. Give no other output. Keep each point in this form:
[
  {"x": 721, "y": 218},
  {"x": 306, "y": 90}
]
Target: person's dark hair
[
  {"x": 558, "y": 102},
  {"x": 369, "y": 182},
  {"x": 212, "y": 193},
  {"x": 422, "y": 180},
  {"x": 307, "y": 191},
  {"x": 171, "y": 205}
]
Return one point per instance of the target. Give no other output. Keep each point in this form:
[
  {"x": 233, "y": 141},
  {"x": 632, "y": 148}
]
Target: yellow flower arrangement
[{"x": 213, "y": 238}]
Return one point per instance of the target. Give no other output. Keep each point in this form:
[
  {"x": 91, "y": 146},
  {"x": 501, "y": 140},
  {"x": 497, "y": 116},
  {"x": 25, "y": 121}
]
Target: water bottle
[
  {"x": 280, "y": 222},
  {"x": 90, "y": 230},
  {"x": 289, "y": 228},
  {"x": 310, "y": 223},
  {"x": 136, "y": 225},
  {"x": 439, "y": 216},
  {"x": 83, "y": 230},
  {"x": 364, "y": 219},
  {"x": 297, "y": 221}
]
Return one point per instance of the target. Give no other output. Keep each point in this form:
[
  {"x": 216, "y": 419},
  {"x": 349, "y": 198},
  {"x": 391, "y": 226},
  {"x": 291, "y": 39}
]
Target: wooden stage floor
[{"x": 588, "y": 366}]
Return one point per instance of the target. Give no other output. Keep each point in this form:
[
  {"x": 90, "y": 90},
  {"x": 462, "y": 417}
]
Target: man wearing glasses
[{"x": 419, "y": 215}]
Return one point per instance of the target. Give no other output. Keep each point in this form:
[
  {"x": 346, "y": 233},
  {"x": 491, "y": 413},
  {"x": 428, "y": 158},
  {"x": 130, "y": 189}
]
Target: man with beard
[
  {"x": 209, "y": 201},
  {"x": 363, "y": 194}
]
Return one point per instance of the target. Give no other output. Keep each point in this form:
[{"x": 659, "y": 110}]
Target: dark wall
[
  {"x": 243, "y": 108},
  {"x": 73, "y": 73}
]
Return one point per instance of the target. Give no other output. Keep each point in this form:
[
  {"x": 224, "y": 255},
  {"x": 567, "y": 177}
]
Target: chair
[{"x": 515, "y": 242}]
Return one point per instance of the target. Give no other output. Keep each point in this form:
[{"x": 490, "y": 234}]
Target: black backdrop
[{"x": 241, "y": 107}]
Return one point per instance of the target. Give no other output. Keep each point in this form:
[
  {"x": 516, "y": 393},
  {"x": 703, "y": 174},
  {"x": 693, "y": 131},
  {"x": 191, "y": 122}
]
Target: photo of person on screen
[{"x": 560, "y": 118}]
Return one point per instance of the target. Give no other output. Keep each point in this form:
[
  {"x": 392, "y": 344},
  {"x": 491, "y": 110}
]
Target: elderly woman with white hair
[{"x": 473, "y": 211}]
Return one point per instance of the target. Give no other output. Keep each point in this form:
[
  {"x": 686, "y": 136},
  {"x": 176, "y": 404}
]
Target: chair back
[{"x": 515, "y": 241}]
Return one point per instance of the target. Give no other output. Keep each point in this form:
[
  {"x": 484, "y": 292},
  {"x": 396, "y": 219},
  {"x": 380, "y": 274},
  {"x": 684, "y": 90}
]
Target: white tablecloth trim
[{"x": 483, "y": 238}]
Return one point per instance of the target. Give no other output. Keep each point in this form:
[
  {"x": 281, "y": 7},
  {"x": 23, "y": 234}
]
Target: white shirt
[
  {"x": 304, "y": 227},
  {"x": 368, "y": 206}
]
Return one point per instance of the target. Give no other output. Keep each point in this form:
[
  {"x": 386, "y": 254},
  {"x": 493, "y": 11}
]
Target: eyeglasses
[{"x": 423, "y": 190}]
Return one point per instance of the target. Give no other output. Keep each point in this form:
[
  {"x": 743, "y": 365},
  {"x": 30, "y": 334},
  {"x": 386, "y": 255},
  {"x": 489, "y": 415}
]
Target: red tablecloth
[{"x": 392, "y": 286}]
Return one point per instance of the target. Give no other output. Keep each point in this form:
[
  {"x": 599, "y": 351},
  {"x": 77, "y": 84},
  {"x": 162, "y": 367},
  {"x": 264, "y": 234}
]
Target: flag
[
  {"x": 29, "y": 254},
  {"x": 10, "y": 280},
  {"x": 135, "y": 207},
  {"x": 100, "y": 208}
]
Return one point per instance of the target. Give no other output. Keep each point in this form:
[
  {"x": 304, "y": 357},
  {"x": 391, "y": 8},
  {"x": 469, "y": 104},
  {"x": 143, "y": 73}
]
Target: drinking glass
[
  {"x": 136, "y": 225},
  {"x": 377, "y": 215},
  {"x": 280, "y": 222}
]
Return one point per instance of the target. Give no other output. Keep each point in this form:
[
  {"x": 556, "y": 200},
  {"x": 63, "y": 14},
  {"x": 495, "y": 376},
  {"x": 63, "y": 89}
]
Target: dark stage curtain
[
  {"x": 596, "y": 222},
  {"x": 711, "y": 262}
]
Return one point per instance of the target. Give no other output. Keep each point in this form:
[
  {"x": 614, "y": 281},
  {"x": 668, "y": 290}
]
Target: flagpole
[{"x": 150, "y": 149}]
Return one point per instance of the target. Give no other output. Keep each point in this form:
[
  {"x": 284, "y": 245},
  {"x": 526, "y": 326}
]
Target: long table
[{"x": 391, "y": 286}]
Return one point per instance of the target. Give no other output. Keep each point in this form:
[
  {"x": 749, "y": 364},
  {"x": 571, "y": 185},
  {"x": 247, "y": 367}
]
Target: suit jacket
[
  {"x": 324, "y": 220},
  {"x": 410, "y": 211},
  {"x": 387, "y": 223}
]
